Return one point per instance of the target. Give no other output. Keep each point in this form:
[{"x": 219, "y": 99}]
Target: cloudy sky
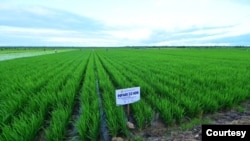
[{"x": 124, "y": 22}]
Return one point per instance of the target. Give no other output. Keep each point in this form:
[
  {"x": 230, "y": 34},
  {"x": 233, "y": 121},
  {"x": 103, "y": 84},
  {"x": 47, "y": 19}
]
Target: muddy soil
[{"x": 159, "y": 132}]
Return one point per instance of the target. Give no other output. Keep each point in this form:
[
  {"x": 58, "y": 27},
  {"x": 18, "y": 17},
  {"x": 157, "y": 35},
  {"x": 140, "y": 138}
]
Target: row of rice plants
[
  {"x": 88, "y": 124},
  {"x": 41, "y": 105},
  {"x": 142, "y": 112},
  {"x": 116, "y": 118}
]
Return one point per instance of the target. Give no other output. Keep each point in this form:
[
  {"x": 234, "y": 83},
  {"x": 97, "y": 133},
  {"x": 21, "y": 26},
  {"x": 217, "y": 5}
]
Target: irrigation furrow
[
  {"x": 116, "y": 86},
  {"x": 104, "y": 128},
  {"x": 71, "y": 131},
  {"x": 47, "y": 117},
  {"x": 116, "y": 118}
]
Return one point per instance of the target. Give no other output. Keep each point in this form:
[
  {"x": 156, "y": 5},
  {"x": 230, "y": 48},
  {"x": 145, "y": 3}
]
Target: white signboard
[{"x": 127, "y": 96}]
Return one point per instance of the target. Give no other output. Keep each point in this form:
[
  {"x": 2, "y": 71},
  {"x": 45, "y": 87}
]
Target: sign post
[
  {"x": 127, "y": 96},
  {"x": 128, "y": 109}
]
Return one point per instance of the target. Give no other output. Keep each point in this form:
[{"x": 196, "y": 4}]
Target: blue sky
[{"x": 124, "y": 22}]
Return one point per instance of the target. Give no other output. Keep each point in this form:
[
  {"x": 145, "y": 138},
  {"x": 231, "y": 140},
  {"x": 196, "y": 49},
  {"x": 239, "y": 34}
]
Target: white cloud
[
  {"x": 40, "y": 11},
  {"x": 134, "y": 34},
  {"x": 5, "y": 6},
  {"x": 82, "y": 41},
  {"x": 22, "y": 31}
]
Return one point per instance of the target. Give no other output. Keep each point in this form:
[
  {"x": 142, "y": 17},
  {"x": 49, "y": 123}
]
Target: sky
[{"x": 124, "y": 22}]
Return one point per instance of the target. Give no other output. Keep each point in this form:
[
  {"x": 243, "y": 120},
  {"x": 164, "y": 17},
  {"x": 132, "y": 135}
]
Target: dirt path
[{"x": 158, "y": 132}]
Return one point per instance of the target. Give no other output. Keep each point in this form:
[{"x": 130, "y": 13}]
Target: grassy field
[{"x": 71, "y": 95}]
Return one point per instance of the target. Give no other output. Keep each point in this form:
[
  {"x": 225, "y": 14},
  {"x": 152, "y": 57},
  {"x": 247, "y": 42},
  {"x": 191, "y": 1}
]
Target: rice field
[{"x": 71, "y": 95}]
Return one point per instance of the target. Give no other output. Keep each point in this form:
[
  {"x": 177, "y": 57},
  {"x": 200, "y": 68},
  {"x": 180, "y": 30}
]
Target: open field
[{"x": 71, "y": 95}]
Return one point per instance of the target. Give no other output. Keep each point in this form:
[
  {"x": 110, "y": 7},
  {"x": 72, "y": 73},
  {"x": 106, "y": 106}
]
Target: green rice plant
[
  {"x": 122, "y": 121},
  {"x": 112, "y": 123},
  {"x": 209, "y": 105},
  {"x": 143, "y": 114},
  {"x": 24, "y": 127},
  {"x": 58, "y": 123},
  {"x": 94, "y": 126},
  {"x": 178, "y": 113},
  {"x": 7, "y": 110},
  {"x": 241, "y": 109},
  {"x": 82, "y": 124},
  {"x": 191, "y": 108},
  {"x": 88, "y": 123},
  {"x": 194, "y": 122},
  {"x": 166, "y": 112},
  {"x": 81, "y": 128}
]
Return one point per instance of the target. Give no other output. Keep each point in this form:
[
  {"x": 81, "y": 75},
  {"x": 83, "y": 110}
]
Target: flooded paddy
[{"x": 21, "y": 55}]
